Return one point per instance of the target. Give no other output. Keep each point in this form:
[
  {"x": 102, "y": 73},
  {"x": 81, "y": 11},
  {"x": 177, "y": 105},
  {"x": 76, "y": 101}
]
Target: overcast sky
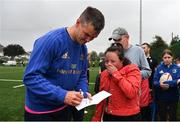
[{"x": 22, "y": 21}]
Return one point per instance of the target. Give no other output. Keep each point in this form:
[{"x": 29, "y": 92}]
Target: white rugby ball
[{"x": 166, "y": 76}]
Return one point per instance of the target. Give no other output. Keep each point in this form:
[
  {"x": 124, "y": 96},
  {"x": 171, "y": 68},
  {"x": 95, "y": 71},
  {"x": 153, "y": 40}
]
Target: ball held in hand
[{"x": 165, "y": 77}]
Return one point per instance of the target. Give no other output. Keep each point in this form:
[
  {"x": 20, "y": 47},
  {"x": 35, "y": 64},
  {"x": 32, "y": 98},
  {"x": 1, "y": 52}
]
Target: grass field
[{"x": 12, "y": 99}]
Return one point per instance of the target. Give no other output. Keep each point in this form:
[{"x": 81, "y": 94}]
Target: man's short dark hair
[
  {"x": 93, "y": 16},
  {"x": 147, "y": 44}
]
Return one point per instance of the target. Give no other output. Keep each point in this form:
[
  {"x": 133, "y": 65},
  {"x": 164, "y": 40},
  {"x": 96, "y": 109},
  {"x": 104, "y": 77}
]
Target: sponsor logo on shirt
[
  {"x": 161, "y": 72},
  {"x": 62, "y": 71},
  {"x": 174, "y": 71},
  {"x": 65, "y": 56}
]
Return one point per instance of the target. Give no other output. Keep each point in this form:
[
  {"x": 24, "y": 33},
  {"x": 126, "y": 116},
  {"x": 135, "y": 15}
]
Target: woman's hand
[{"x": 111, "y": 68}]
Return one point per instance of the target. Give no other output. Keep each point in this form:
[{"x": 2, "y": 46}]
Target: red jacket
[
  {"x": 145, "y": 96},
  {"x": 124, "y": 86}
]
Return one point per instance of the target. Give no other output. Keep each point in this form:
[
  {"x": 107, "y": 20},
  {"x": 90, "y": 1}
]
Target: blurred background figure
[
  {"x": 149, "y": 112},
  {"x": 177, "y": 61},
  {"x": 166, "y": 90},
  {"x": 102, "y": 67}
]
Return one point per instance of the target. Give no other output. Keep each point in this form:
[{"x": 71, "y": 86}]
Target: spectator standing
[
  {"x": 137, "y": 56},
  {"x": 134, "y": 53},
  {"x": 149, "y": 111},
  {"x": 166, "y": 90},
  {"x": 122, "y": 80},
  {"x": 102, "y": 67},
  {"x": 151, "y": 61},
  {"x": 177, "y": 61}
]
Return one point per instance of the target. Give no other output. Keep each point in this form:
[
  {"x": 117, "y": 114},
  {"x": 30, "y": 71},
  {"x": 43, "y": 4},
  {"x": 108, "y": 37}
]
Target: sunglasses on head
[{"x": 117, "y": 40}]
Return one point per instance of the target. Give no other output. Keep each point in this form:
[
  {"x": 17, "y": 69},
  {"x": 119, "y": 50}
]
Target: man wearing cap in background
[{"x": 136, "y": 55}]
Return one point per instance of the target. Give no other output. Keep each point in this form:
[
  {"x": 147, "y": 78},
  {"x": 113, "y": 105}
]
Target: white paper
[{"x": 97, "y": 98}]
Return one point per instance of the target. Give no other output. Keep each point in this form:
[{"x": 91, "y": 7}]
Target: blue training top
[
  {"x": 171, "y": 93},
  {"x": 57, "y": 64}
]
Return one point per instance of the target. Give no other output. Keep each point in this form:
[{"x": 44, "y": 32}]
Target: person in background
[
  {"x": 102, "y": 67},
  {"x": 122, "y": 80},
  {"x": 134, "y": 53},
  {"x": 137, "y": 56},
  {"x": 177, "y": 61},
  {"x": 152, "y": 62},
  {"x": 166, "y": 90},
  {"x": 56, "y": 75},
  {"x": 149, "y": 112}
]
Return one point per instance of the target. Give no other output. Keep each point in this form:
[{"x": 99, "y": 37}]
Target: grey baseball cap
[{"x": 118, "y": 33}]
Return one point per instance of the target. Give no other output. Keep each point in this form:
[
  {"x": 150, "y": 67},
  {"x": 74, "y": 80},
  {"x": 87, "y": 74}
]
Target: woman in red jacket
[{"x": 122, "y": 80}]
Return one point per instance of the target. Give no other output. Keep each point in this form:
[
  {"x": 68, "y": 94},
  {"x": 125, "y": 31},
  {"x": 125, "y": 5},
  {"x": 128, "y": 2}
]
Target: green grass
[
  {"x": 12, "y": 100},
  {"x": 15, "y": 73},
  {"x": 91, "y": 109}
]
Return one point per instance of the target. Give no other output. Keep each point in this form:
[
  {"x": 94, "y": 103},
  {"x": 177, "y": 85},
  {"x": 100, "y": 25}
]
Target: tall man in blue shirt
[{"x": 57, "y": 68}]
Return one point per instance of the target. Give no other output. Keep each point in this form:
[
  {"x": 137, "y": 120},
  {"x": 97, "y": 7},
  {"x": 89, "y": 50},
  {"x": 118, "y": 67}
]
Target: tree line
[{"x": 157, "y": 47}]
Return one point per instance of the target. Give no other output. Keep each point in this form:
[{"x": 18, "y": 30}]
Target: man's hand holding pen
[{"x": 74, "y": 98}]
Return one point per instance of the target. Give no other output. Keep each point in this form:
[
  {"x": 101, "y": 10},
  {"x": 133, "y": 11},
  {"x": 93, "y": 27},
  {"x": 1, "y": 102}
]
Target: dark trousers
[
  {"x": 77, "y": 115},
  {"x": 146, "y": 114},
  {"x": 109, "y": 117},
  {"x": 154, "y": 114},
  {"x": 167, "y": 110},
  {"x": 62, "y": 115}
]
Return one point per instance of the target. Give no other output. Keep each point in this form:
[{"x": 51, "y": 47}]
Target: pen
[{"x": 81, "y": 92}]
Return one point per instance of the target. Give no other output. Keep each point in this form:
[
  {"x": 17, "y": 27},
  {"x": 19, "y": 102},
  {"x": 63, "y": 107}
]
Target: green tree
[
  {"x": 94, "y": 58},
  {"x": 175, "y": 48},
  {"x": 101, "y": 55},
  {"x": 174, "y": 40},
  {"x": 157, "y": 48},
  {"x": 13, "y": 50}
]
